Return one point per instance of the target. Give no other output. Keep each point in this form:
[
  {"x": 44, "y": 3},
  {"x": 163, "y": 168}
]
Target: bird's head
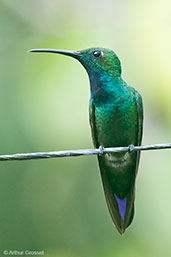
[{"x": 100, "y": 60}]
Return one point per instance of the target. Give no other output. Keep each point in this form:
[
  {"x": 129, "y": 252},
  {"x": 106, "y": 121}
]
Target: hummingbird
[{"x": 116, "y": 120}]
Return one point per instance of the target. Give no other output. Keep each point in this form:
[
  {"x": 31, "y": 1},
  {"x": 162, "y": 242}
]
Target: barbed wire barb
[{"x": 99, "y": 151}]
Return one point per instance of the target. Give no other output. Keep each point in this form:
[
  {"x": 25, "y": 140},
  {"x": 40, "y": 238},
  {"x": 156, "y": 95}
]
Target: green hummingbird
[{"x": 116, "y": 119}]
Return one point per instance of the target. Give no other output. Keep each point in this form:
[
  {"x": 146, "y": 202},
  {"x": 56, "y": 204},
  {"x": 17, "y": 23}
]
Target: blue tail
[{"x": 121, "y": 206}]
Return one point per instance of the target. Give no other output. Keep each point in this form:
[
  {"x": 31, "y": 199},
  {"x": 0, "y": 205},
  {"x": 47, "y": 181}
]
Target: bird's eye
[{"x": 97, "y": 53}]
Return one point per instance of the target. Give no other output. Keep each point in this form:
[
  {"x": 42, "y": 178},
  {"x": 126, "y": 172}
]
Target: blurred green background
[{"x": 58, "y": 205}]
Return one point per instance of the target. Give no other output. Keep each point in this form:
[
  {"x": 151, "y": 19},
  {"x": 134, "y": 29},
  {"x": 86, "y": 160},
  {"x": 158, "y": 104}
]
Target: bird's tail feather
[{"x": 121, "y": 209}]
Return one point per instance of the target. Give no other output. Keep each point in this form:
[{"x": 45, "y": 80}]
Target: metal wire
[{"x": 99, "y": 151}]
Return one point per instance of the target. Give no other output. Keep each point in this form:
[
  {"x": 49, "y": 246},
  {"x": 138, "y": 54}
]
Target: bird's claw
[
  {"x": 101, "y": 150},
  {"x": 131, "y": 148}
]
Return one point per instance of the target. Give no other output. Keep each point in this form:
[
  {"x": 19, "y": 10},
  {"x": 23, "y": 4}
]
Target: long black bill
[{"x": 57, "y": 51}]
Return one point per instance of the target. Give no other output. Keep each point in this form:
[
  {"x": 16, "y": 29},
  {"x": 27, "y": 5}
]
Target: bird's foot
[
  {"x": 131, "y": 148},
  {"x": 101, "y": 150}
]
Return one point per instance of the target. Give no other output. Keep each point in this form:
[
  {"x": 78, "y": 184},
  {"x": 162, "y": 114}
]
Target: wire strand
[{"x": 99, "y": 151}]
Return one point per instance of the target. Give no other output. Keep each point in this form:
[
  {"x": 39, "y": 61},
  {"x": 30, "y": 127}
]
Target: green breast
[{"x": 116, "y": 122}]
